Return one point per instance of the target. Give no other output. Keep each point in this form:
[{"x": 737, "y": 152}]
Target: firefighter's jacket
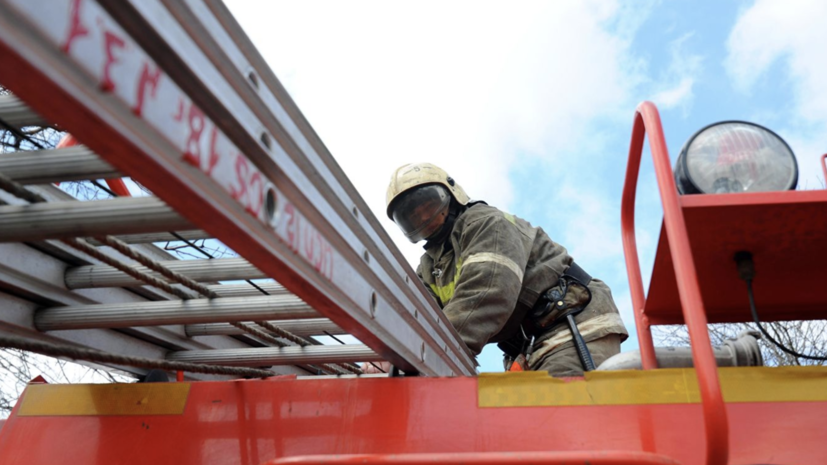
[{"x": 489, "y": 273}]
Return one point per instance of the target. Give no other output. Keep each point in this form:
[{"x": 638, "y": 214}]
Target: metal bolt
[
  {"x": 265, "y": 140},
  {"x": 253, "y": 79}
]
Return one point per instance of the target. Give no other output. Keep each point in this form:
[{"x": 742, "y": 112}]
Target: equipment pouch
[{"x": 567, "y": 296}]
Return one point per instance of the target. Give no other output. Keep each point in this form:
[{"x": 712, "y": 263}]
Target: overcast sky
[{"x": 529, "y": 105}]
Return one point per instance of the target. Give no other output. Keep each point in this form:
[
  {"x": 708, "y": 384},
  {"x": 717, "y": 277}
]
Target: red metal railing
[
  {"x": 117, "y": 185},
  {"x": 824, "y": 167},
  {"x": 647, "y": 119},
  {"x": 617, "y": 457}
]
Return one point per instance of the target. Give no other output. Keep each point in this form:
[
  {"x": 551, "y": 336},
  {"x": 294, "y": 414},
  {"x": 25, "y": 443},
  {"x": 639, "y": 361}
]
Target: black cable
[
  {"x": 746, "y": 272},
  {"x": 757, "y": 321}
]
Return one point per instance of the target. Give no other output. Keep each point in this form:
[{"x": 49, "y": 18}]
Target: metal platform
[{"x": 785, "y": 231}]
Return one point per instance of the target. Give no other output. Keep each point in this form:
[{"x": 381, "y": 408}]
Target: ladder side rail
[
  {"x": 647, "y": 120},
  {"x": 293, "y": 154},
  {"x": 218, "y": 26},
  {"x": 99, "y": 100}
]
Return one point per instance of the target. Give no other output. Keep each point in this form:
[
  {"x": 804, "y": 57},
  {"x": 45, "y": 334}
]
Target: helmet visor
[{"x": 421, "y": 212}]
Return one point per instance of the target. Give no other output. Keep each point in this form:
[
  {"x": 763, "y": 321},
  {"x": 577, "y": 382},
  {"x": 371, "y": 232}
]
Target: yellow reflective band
[
  {"x": 496, "y": 258},
  {"x": 663, "y": 386},
  {"x": 510, "y": 218},
  {"x": 586, "y": 328},
  {"x": 104, "y": 399},
  {"x": 446, "y": 292}
]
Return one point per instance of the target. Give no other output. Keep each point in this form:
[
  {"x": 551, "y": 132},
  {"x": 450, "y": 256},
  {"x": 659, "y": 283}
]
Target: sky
[{"x": 529, "y": 105}]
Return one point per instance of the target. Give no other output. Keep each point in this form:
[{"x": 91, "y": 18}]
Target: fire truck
[{"x": 173, "y": 95}]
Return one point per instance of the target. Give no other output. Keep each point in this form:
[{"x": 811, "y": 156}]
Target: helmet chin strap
[{"x": 439, "y": 237}]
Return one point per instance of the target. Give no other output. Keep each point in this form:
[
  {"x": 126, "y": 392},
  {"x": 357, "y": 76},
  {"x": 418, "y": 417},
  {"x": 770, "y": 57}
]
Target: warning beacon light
[{"x": 735, "y": 156}]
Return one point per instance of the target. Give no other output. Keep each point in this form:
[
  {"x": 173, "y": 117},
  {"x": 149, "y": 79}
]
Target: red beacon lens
[{"x": 735, "y": 156}]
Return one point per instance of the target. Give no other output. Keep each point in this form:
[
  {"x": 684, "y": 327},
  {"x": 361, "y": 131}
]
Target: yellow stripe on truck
[
  {"x": 104, "y": 399},
  {"x": 664, "y": 386}
]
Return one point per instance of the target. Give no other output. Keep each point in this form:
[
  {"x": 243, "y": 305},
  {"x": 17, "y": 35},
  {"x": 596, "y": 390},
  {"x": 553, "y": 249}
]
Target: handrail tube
[
  {"x": 627, "y": 221},
  {"x": 824, "y": 167},
  {"x": 715, "y": 418},
  {"x": 609, "y": 457}
]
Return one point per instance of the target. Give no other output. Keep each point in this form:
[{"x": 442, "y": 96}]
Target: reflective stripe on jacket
[{"x": 493, "y": 271}]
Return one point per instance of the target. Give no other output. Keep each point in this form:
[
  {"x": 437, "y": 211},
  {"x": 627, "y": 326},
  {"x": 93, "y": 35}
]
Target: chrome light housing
[{"x": 735, "y": 156}]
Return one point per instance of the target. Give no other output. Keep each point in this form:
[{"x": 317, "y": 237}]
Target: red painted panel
[
  {"x": 251, "y": 422},
  {"x": 785, "y": 231}
]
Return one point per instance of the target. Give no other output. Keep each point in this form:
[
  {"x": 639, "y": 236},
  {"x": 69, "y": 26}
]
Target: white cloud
[
  {"x": 790, "y": 35},
  {"x": 466, "y": 85},
  {"x": 679, "y": 77},
  {"x": 770, "y": 31},
  {"x": 670, "y": 98}
]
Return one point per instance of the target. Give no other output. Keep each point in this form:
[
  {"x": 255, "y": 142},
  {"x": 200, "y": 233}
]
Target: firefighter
[{"x": 500, "y": 280}]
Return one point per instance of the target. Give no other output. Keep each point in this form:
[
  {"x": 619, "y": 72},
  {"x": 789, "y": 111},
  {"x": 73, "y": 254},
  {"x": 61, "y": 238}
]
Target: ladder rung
[
  {"x": 55, "y": 220},
  {"x": 45, "y": 166},
  {"x": 292, "y": 355},
  {"x": 17, "y": 114},
  {"x": 240, "y": 290},
  {"x": 123, "y": 315},
  {"x": 304, "y": 328},
  {"x": 219, "y": 269},
  {"x": 146, "y": 238}
]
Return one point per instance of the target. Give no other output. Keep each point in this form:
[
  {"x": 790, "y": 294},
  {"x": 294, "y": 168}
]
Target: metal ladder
[{"x": 174, "y": 95}]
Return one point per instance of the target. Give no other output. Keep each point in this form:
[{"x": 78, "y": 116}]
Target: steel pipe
[
  {"x": 45, "y": 166},
  {"x": 17, "y": 114},
  {"x": 124, "y": 315},
  {"x": 743, "y": 351},
  {"x": 267, "y": 356},
  {"x": 55, "y": 220},
  {"x": 219, "y": 269},
  {"x": 304, "y": 328}
]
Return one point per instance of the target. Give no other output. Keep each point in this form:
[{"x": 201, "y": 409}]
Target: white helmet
[{"x": 419, "y": 197}]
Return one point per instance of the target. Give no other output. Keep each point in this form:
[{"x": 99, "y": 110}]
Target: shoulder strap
[{"x": 578, "y": 273}]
